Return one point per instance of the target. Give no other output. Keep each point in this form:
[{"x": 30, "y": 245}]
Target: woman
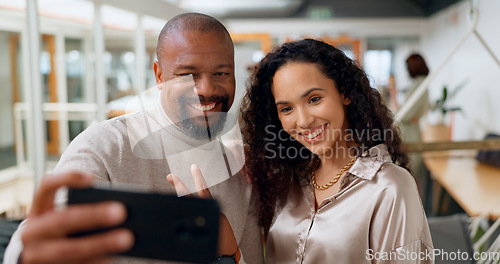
[
  {"x": 410, "y": 122},
  {"x": 326, "y": 159}
]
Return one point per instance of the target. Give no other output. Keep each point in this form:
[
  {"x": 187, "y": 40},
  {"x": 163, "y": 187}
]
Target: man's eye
[
  {"x": 185, "y": 74},
  {"x": 315, "y": 99},
  {"x": 221, "y": 73}
]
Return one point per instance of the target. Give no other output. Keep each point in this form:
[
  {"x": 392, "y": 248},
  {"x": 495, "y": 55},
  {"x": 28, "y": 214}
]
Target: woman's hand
[{"x": 227, "y": 242}]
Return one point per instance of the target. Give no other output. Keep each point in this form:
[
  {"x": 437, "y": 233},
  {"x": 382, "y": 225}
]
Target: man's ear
[{"x": 158, "y": 75}]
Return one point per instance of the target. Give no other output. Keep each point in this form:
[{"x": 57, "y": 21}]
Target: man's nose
[{"x": 204, "y": 86}]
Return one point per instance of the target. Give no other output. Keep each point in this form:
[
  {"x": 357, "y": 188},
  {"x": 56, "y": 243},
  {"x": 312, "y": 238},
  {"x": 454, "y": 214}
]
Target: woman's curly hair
[{"x": 274, "y": 161}]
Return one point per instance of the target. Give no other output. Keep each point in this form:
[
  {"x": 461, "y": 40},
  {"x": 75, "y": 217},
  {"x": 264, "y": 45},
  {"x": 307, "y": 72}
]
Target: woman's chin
[
  {"x": 318, "y": 150},
  {"x": 329, "y": 152}
]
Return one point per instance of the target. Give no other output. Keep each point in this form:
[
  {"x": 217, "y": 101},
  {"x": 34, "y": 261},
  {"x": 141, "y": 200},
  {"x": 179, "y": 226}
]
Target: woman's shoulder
[
  {"x": 376, "y": 166},
  {"x": 396, "y": 181},
  {"x": 394, "y": 173}
]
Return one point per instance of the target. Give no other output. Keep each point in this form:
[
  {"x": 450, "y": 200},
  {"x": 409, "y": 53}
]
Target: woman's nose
[{"x": 304, "y": 118}]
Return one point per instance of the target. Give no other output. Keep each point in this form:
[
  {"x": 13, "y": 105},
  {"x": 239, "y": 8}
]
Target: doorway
[
  {"x": 49, "y": 94},
  {"x": 7, "y": 152}
]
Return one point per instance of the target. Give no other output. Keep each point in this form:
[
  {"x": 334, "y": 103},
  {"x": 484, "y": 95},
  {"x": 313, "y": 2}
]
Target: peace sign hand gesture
[{"x": 227, "y": 242}]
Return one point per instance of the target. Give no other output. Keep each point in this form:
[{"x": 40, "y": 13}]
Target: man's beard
[{"x": 206, "y": 129}]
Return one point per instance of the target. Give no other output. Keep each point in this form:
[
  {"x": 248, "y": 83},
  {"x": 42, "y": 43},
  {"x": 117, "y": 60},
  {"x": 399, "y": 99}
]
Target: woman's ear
[{"x": 346, "y": 100}]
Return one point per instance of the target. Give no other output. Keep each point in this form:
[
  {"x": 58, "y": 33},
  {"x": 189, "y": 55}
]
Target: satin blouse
[{"x": 376, "y": 217}]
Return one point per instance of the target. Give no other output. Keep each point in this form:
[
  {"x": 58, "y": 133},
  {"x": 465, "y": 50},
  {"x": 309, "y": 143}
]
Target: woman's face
[{"x": 310, "y": 107}]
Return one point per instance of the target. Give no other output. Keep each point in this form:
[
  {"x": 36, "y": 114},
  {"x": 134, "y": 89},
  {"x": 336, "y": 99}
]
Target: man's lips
[{"x": 203, "y": 107}]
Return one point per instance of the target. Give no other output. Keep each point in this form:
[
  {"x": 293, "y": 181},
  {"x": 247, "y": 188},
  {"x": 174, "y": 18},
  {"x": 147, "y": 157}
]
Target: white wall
[
  {"x": 480, "y": 98},
  {"x": 316, "y": 28},
  {"x": 6, "y": 122}
]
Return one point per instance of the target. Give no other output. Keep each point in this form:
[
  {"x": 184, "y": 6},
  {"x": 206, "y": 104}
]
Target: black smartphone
[{"x": 165, "y": 227}]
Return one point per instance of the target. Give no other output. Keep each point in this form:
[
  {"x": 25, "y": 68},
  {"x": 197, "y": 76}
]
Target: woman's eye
[
  {"x": 314, "y": 99},
  {"x": 286, "y": 109}
]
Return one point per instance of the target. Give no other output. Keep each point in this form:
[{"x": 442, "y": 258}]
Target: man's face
[{"x": 195, "y": 73}]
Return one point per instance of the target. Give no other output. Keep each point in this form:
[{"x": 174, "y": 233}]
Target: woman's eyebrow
[{"x": 306, "y": 93}]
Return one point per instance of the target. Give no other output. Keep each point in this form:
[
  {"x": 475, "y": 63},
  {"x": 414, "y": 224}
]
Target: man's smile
[{"x": 203, "y": 107}]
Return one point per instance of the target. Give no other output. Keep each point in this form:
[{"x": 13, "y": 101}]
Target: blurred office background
[
  {"x": 69, "y": 63},
  {"x": 65, "y": 64}
]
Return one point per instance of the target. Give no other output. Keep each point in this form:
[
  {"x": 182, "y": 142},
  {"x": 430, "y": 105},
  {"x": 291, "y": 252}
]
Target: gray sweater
[{"x": 141, "y": 149}]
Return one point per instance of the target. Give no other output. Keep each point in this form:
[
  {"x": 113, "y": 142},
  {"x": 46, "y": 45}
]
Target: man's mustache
[{"x": 205, "y": 100}]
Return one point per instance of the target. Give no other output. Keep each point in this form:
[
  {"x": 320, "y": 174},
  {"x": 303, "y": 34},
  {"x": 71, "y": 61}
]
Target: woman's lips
[{"x": 314, "y": 136}]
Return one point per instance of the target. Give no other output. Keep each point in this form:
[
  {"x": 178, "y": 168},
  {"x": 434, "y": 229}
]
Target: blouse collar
[{"x": 370, "y": 162}]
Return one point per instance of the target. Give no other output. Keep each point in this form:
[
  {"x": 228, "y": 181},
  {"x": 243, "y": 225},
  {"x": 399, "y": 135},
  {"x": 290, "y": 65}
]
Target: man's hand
[
  {"x": 227, "y": 242},
  {"x": 46, "y": 235}
]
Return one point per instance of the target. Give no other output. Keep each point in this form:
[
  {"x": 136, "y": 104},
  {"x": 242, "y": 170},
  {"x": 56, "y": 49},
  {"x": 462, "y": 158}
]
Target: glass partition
[{"x": 75, "y": 77}]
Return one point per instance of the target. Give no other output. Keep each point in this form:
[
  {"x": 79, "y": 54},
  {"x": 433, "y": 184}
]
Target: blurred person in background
[{"x": 410, "y": 122}]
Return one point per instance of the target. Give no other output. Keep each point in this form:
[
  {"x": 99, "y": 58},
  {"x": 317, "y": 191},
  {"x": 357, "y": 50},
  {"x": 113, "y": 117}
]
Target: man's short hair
[{"x": 190, "y": 21}]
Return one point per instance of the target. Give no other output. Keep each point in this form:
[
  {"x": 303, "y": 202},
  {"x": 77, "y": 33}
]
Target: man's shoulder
[
  {"x": 107, "y": 134},
  {"x": 98, "y": 148},
  {"x": 114, "y": 126}
]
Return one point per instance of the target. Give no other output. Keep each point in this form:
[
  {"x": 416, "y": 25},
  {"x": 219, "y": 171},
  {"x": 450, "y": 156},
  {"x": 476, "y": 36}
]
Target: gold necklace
[{"x": 334, "y": 180}]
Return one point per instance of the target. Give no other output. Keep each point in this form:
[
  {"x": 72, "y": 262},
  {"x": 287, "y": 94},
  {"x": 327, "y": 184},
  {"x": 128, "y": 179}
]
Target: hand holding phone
[
  {"x": 165, "y": 227},
  {"x": 45, "y": 234}
]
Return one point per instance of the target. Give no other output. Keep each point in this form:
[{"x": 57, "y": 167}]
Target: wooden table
[{"x": 474, "y": 186}]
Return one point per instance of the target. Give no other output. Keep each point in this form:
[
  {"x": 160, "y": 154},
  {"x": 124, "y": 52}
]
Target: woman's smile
[{"x": 314, "y": 135}]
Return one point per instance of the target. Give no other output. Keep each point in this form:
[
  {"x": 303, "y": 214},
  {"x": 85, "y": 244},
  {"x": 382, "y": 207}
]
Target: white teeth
[
  {"x": 315, "y": 133},
  {"x": 204, "y": 107}
]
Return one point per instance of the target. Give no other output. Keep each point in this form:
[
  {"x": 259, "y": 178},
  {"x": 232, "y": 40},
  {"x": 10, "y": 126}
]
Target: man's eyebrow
[
  {"x": 306, "y": 93},
  {"x": 185, "y": 67},
  {"x": 224, "y": 66},
  {"x": 190, "y": 67}
]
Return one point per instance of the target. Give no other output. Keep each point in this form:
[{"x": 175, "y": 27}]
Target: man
[{"x": 195, "y": 74}]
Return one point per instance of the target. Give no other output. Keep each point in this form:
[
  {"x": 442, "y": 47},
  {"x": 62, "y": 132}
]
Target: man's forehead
[
  {"x": 197, "y": 50},
  {"x": 198, "y": 59},
  {"x": 197, "y": 42}
]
